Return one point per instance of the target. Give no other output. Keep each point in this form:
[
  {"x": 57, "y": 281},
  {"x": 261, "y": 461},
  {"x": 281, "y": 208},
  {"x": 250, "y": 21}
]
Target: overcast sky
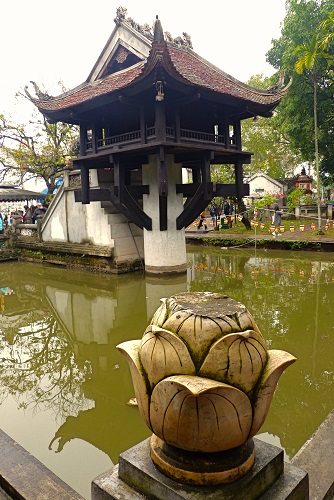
[{"x": 50, "y": 41}]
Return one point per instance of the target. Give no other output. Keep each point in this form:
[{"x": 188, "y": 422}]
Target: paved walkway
[{"x": 260, "y": 235}]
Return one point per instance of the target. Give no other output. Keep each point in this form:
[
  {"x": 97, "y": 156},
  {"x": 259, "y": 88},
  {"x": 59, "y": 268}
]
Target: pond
[{"x": 65, "y": 390}]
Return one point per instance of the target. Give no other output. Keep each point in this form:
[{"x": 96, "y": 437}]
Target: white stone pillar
[{"x": 164, "y": 251}]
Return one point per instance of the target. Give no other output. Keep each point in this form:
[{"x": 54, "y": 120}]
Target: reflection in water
[{"x": 59, "y": 329}]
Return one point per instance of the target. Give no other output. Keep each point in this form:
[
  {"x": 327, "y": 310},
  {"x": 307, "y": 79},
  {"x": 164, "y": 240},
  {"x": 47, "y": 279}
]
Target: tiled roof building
[{"x": 149, "y": 94}]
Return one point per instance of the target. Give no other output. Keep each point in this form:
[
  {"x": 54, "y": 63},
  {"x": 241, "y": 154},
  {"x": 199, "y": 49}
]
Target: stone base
[
  {"x": 202, "y": 469},
  {"x": 165, "y": 270},
  {"x": 136, "y": 476}
]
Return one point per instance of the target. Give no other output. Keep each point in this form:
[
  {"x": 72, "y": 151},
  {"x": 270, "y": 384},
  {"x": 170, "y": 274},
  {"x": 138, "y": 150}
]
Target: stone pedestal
[
  {"x": 136, "y": 476},
  {"x": 165, "y": 251}
]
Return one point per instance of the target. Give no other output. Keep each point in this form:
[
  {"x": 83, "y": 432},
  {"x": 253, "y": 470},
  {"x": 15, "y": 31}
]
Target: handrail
[
  {"x": 202, "y": 136},
  {"x": 186, "y": 135}
]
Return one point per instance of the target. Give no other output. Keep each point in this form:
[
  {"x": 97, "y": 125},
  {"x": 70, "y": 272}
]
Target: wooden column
[
  {"x": 177, "y": 124},
  {"x": 160, "y": 121},
  {"x": 143, "y": 138},
  {"x": 84, "y": 185},
  {"x": 238, "y": 172},
  {"x": 162, "y": 188},
  {"x": 119, "y": 179},
  {"x": 206, "y": 176},
  {"x": 237, "y": 134},
  {"x": 94, "y": 140},
  {"x": 83, "y": 139}
]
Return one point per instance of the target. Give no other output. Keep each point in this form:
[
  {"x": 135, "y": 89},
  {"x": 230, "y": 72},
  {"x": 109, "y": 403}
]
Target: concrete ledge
[
  {"x": 165, "y": 270},
  {"x": 23, "y": 476},
  {"x": 316, "y": 458},
  {"x": 63, "y": 247},
  {"x": 108, "y": 486}
]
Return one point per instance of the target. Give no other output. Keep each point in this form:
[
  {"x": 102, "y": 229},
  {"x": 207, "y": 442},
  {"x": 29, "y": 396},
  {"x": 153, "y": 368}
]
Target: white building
[{"x": 260, "y": 184}]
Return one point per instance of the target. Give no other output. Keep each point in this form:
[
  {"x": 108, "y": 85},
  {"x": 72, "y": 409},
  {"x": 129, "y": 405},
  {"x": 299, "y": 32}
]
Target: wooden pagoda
[{"x": 151, "y": 100}]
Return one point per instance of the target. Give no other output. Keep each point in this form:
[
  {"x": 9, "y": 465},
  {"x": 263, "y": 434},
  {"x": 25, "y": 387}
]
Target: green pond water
[{"x": 65, "y": 388}]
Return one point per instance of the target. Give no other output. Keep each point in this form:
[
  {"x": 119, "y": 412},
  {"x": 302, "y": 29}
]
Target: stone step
[{"x": 292, "y": 484}]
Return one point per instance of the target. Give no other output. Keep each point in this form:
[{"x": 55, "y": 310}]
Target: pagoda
[
  {"x": 151, "y": 107},
  {"x": 304, "y": 181}
]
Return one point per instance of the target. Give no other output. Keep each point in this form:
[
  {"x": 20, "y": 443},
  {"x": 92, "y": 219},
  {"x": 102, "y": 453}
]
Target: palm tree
[
  {"x": 327, "y": 31},
  {"x": 313, "y": 60}
]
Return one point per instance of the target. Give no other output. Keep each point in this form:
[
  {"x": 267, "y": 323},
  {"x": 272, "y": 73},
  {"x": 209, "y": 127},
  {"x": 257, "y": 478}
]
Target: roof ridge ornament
[
  {"x": 144, "y": 29},
  {"x": 280, "y": 84},
  {"x": 158, "y": 32},
  {"x": 42, "y": 96},
  {"x": 179, "y": 42},
  {"x": 183, "y": 42}
]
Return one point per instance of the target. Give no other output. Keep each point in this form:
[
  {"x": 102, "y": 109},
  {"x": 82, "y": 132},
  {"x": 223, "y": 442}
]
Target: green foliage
[
  {"x": 297, "y": 44},
  {"x": 301, "y": 245},
  {"x": 223, "y": 174},
  {"x": 35, "y": 150},
  {"x": 265, "y": 202},
  {"x": 272, "y": 153},
  {"x": 294, "y": 199}
]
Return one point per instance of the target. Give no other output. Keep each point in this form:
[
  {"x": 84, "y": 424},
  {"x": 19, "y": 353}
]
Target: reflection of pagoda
[
  {"x": 304, "y": 181},
  {"x": 111, "y": 426}
]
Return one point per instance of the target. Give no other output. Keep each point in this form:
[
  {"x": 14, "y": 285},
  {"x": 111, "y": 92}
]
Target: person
[
  {"x": 226, "y": 208},
  {"x": 27, "y": 217},
  {"x": 202, "y": 221},
  {"x": 38, "y": 213},
  {"x": 227, "y": 213},
  {"x": 213, "y": 215},
  {"x": 277, "y": 219}
]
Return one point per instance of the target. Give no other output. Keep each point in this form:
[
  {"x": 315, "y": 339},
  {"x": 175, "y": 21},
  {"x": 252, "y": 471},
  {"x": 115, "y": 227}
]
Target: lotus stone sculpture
[{"x": 204, "y": 381}]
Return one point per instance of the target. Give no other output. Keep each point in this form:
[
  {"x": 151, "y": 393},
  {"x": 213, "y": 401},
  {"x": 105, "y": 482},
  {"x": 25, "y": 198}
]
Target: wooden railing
[
  {"x": 121, "y": 138},
  {"x": 193, "y": 135},
  {"x": 185, "y": 136}
]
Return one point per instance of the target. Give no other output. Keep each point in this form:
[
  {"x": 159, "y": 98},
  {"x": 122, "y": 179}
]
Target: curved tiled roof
[
  {"x": 14, "y": 193},
  {"x": 90, "y": 90},
  {"x": 182, "y": 64},
  {"x": 203, "y": 74}
]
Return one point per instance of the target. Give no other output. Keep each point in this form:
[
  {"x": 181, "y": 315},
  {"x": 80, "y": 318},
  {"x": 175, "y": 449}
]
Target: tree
[
  {"x": 327, "y": 32},
  {"x": 265, "y": 202},
  {"x": 294, "y": 199},
  {"x": 313, "y": 61},
  {"x": 272, "y": 153},
  {"x": 36, "y": 150},
  {"x": 295, "y": 117}
]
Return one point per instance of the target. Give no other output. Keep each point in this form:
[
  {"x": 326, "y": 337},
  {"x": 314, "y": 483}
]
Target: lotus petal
[
  {"x": 237, "y": 359},
  {"x": 161, "y": 314},
  {"x": 199, "y": 414},
  {"x": 130, "y": 350},
  {"x": 246, "y": 321},
  {"x": 163, "y": 353},
  {"x": 199, "y": 332},
  {"x": 278, "y": 361}
]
